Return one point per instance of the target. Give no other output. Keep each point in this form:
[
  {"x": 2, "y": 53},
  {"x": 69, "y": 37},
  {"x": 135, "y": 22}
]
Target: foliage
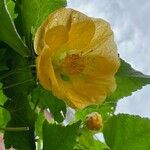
[
  {"x": 45, "y": 100},
  {"x": 65, "y": 136},
  {"x": 8, "y": 33},
  {"x": 23, "y": 101},
  {"x": 128, "y": 80},
  {"x": 4, "y": 114},
  {"x": 126, "y": 132},
  {"x": 87, "y": 141}
]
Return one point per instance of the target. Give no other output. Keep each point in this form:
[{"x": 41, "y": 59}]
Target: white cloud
[{"x": 131, "y": 24}]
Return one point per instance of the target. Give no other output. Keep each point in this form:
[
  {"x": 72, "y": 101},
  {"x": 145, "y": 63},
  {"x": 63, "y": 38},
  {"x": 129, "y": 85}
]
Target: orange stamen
[{"x": 72, "y": 64}]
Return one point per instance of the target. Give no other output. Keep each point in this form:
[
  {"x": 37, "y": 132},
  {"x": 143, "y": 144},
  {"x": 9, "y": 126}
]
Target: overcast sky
[{"x": 131, "y": 24}]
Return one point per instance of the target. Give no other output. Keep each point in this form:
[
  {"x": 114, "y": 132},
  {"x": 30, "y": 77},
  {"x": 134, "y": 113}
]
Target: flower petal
[
  {"x": 68, "y": 94},
  {"x": 46, "y": 73},
  {"x": 103, "y": 43},
  {"x": 81, "y": 34},
  {"x": 60, "y": 17},
  {"x": 82, "y": 30},
  {"x": 56, "y": 37},
  {"x": 98, "y": 66},
  {"x": 80, "y": 92},
  {"x": 39, "y": 38},
  {"x": 93, "y": 91},
  {"x": 43, "y": 65}
]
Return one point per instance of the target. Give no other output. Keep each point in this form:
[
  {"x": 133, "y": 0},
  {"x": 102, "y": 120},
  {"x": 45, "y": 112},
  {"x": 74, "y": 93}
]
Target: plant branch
[
  {"x": 15, "y": 129},
  {"x": 15, "y": 71},
  {"x": 16, "y": 84}
]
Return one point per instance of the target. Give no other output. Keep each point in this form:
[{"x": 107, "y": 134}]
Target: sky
[{"x": 130, "y": 22}]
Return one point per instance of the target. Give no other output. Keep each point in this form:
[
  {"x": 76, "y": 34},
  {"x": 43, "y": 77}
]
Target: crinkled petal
[
  {"x": 61, "y": 18},
  {"x": 39, "y": 42},
  {"x": 56, "y": 37},
  {"x": 68, "y": 94},
  {"x": 103, "y": 43},
  {"x": 81, "y": 29},
  {"x": 98, "y": 66},
  {"x": 92, "y": 91},
  {"x": 81, "y": 34},
  {"x": 46, "y": 73},
  {"x": 43, "y": 65},
  {"x": 79, "y": 92}
]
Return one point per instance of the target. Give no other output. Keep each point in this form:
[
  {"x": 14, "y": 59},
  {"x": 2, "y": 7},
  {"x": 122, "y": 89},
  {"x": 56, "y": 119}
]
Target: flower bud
[{"x": 94, "y": 121}]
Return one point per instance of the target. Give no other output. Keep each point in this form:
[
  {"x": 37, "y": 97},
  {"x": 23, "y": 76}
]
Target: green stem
[
  {"x": 15, "y": 71},
  {"x": 39, "y": 144},
  {"x": 2, "y": 106},
  {"x": 15, "y": 84},
  {"x": 37, "y": 102},
  {"x": 15, "y": 129}
]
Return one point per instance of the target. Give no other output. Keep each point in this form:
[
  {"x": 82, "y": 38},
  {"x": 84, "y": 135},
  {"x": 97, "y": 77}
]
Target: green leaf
[
  {"x": 128, "y": 80},
  {"x": 3, "y": 60},
  {"x": 87, "y": 142},
  {"x": 58, "y": 137},
  {"x": 8, "y": 32},
  {"x": 39, "y": 123},
  {"x": 33, "y": 12},
  {"x": 19, "y": 80},
  {"x": 21, "y": 116},
  {"x": 11, "y": 8},
  {"x": 16, "y": 87},
  {"x": 4, "y": 117},
  {"x": 48, "y": 100},
  {"x": 125, "y": 132},
  {"x": 4, "y": 114}
]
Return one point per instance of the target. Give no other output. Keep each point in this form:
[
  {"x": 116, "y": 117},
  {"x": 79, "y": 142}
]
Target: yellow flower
[{"x": 77, "y": 57}]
